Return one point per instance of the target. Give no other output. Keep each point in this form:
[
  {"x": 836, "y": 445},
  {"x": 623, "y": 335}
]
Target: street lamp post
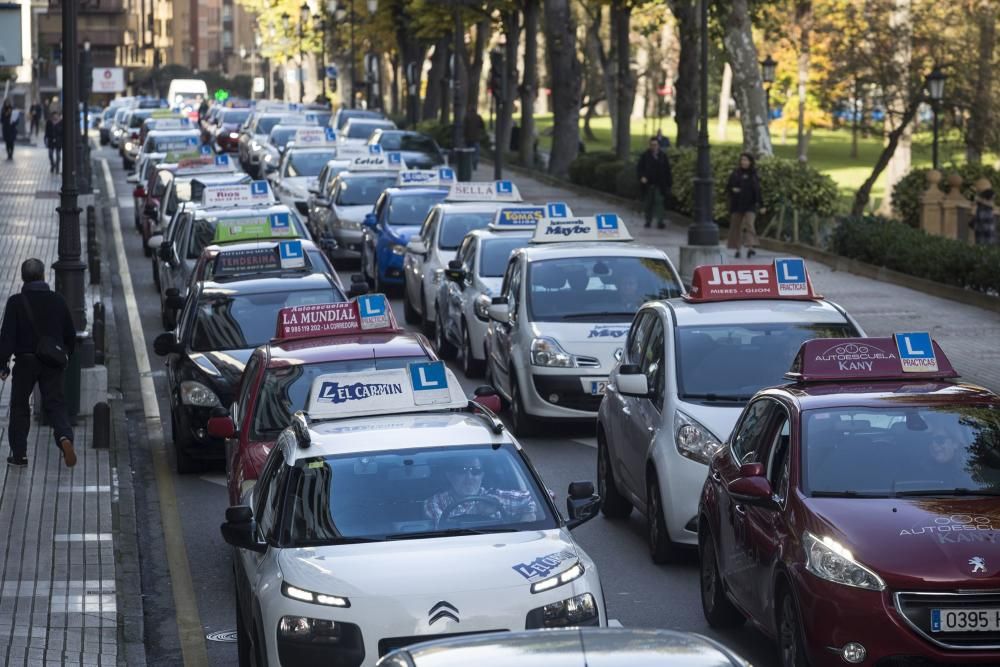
[
  {"x": 320, "y": 20},
  {"x": 285, "y": 23},
  {"x": 458, "y": 134},
  {"x": 767, "y": 67},
  {"x": 303, "y": 17},
  {"x": 703, "y": 231},
  {"x": 935, "y": 87},
  {"x": 86, "y": 82}
]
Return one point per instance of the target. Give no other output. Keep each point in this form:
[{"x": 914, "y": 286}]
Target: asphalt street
[{"x": 639, "y": 593}]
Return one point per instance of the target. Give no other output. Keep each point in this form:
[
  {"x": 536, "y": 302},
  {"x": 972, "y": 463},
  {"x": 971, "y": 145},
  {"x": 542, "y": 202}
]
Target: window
[
  {"x": 247, "y": 382},
  {"x": 411, "y": 208},
  {"x": 746, "y": 440},
  {"x": 301, "y": 163},
  {"x": 652, "y": 361},
  {"x": 496, "y": 253},
  {"x": 363, "y": 190},
  {"x": 637, "y": 336},
  {"x": 778, "y": 458},
  {"x": 513, "y": 299},
  {"x": 427, "y": 228},
  {"x": 454, "y": 227},
  {"x": 268, "y": 492}
]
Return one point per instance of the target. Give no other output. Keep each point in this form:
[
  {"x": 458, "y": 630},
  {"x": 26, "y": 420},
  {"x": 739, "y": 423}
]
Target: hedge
[
  {"x": 906, "y": 193},
  {"x": 900, "y": 247}
]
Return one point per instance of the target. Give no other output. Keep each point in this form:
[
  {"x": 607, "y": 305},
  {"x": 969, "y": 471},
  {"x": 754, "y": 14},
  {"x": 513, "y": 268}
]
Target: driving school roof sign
[
  {"x": 501, "y": 191},
  {"x": 527, "y": 217},
  {"x": 600, "y": 227},
  {"x": 439, "y": 176},
  {"x": 369, "y": 313},
  {"x": 839, "y": 359},
  {"x": 251, "y": 228},
  {"x": 238, "y": 194},
  {"x": 234, "y": 262},
  {"x": 784, "y": 279},
  {"x": 314, "y": 136},
  {"x": 391, "y": 161}
]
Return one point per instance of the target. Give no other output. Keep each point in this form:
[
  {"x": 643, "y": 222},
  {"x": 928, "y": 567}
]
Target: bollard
[
  {"x": 93, "y": 248},
  {"x": 102, "y": 425},
  {"x": 98, "y": 321}
]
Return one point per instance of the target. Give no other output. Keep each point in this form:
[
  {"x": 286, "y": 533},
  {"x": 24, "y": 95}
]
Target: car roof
[
  {"x": 242, "y": 211},
  {"x": 488, "y": 234},
  {"x": 542, "y": 251},
  {"x": 292, "y": 148},
  {"x": 383, "y": 173},
  {"x": 209, "y": 178},
  {"x": 414, "y": 191},
  {"x": 883, "y": 393},
  {"x": 251, "y": 245},
  {"x": 344, "y": 347},
  {"x": 473, "y": 206},
  {"x": 754, "y": 311},
  {"x": 173, "y": 132},
  {"x": 302, "y": 282}
]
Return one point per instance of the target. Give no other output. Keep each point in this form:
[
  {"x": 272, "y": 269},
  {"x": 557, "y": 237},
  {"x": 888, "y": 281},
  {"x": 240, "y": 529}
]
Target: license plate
[
  {"x": 595, "y": 386},
  {"x": 965, "y": 620}
]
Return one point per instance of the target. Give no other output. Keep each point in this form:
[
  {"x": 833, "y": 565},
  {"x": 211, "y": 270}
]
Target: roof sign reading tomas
[
  {"x": 237, "y": 194},
  {"x": 392, "y": 161},
  {"x": 251, "y": 228},
  {"x": 600, "y": 227},
  {"x": 527, "y": 217},
  {"x": 500, "y": 191},
  {"x": 904, "y": 356},
  {"x": 785, "y": 279},
  {"x": 369, "y": 313},
  {"x": 439, "y": 176}
]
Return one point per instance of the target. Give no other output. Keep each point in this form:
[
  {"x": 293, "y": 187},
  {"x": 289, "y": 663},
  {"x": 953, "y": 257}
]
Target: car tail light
[{"x": 139, "y": 192}]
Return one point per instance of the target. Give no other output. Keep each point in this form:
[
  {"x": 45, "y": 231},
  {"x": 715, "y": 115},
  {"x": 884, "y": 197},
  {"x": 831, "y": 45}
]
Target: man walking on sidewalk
[
  {"x": 655, "y": 182},
  {"x": 54, "y": 141},
  {"x": 38, "y": 331}
]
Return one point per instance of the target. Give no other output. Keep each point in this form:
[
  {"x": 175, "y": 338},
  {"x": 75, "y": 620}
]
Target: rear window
[
  {"x": 411, "y": 209},
  {"x": 264, "y": 125},
  {"x": 235, "y": 116},
  {"x": 363, "y": 130},
  {"x": 455, "y": 226}
]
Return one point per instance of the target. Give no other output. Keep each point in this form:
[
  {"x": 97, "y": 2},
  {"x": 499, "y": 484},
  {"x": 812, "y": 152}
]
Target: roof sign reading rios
[
  {"x": 392, "y": 161},
  {"x": 251, "y": 228},
  {"x": 439, "y": 176},
  {"x": 600, "y": 227},
  {"x": 904, "y": 356},
  {"x": 421, "y": 386},
  {"x": 527, "y": 217},
  {"x": 785, "y": 279},
  {"x": 237, "y": 194},
  {"x": 369, "y": 313},
  {"x": 500, "y": 191}
]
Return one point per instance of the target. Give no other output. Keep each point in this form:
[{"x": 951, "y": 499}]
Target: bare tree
[
  {"x": 529, "y": 84},
  {"x": 748, "y": 87},
  {"x": 560, "y": 39},
  {"x": 686, "y": 89}
]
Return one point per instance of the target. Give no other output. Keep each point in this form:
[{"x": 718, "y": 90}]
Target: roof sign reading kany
[
  {"x": 600, "y": 227},
  {"x": 905, "y": 356},
  {"x": 421, "y": 386},
  {"x": 314, "y": 136},
  {"x": 237, "y": 194},
  {"x": 784, "y": 279},
  {"x": 282, "y": 256},
  {"x": 527, "y": 217},
  {"x": 250, "y": 228},
  {"x": 392, "y": 161},
  {"x": 369, "y": 313},
  {"x": 439, "y": 176},
  {"x": 484, "y": 191}
]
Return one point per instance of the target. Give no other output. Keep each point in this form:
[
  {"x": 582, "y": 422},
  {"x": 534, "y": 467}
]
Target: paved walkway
[
  {"x": 970, "y": 336},
  {"x": 57, "y": 562}
]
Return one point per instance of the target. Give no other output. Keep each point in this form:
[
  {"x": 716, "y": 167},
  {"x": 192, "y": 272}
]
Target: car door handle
[
  {"x": 716, "y": 477},
  {"x": 740, "y": 509}
]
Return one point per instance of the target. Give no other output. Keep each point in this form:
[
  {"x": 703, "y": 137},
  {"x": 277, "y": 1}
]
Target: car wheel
[
  {"x": 156, "y": 274},
  {"x": 182, "y": 443},
  {"x": 380, "y": 286},
  {"x": 410, "y": 314},
  {"x": 244, "y": 646},
  {"x": 661, "y": 548},
  {"x": 364, "y": 264},
  {"x": 791, "y": 646},
  {"x": 613, "y": 504},
  {"x": 471, "y": 366},
  {"x": 444, "y": 347},
  {"x": 522, "y": 423},
  {"x": 715, "y": 604}
]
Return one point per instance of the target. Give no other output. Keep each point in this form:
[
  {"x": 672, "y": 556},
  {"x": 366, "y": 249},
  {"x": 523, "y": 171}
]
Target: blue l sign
[
  {"x": 373, "y": 310},
  {"x": 607, "y": 222},
  {"x": 916, "y": 352},
  {"x": 505, "y": 187},
  {"x": 428, "y": 376},
  {"x": 291, "y": 254},
  {"x": 258, "y": 188},
  {"x": 558, "y": 210},
  {"x": 446, "y": 174},
  {"x": 791, "y": 277}
]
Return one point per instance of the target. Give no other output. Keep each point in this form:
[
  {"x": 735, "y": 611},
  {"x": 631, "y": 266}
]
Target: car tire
[
  {"x": 244, "y": 647},
  {"x": 444, "y": 347},
  {"x": 184, "y": 462},
  {"x": 661, "y": 548},
  {"x": 613, "y": 504},
  {"x": 521, "y": 422},
  {"x": 410, "y": 314},
  {"x": 364, "y": 265},
  {"x": 718, "y": 609},
  {"x": 472, "y": 367},
  {"x": 791, "y": 644},
  {"x": 156, "y": 274}
]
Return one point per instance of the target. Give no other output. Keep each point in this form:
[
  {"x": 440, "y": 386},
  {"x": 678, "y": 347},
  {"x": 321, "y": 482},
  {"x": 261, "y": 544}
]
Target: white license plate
[
  {"x": 965, "y": 620},
  {"x": 594, "y": 386}
]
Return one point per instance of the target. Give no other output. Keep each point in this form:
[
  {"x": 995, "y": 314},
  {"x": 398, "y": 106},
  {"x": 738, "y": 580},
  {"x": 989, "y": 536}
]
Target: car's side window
[
  {"x": 514, "y": 297},
  {"x": 380, "y": 207},
  {"x": 430, "y": 224},
  {"x": 652, "y": 361},
  {"x": 508, "y": 276},
  {"x": 467, "y": 254},
  {"x": 249, "y": 373},
  {"x": 747, "y": 439},
  {"x": 268, "y": 493},
  {"x": 778, "y": 458},
  {"x": 637, "y": 336}
]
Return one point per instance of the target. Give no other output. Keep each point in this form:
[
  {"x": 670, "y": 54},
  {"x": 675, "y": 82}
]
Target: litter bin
[{"x": 463, "y": 162}]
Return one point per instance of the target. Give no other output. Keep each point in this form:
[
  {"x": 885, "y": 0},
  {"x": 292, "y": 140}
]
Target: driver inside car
[{"x": 466, "y": 496}]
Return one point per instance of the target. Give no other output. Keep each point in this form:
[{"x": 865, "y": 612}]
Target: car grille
[
  {"x": 916, "y": 609},
  {"x": 587, "y": 362},
  {"x": 390, "y": 644},
  {"x": 569, "y": 390}
]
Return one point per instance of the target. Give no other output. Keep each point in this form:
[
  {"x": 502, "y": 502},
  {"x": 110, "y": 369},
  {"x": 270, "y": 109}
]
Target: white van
[{"x": 182, "y": 89}]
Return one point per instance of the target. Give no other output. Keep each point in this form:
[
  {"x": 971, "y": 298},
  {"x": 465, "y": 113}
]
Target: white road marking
[
  {"x": 214, "y": 479},
  {"x": 587, "y": 442},
  {"x": 615, "y": 623}
]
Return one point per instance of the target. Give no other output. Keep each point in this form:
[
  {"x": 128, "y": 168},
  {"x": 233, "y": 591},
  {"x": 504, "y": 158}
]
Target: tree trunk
[
  {"x": 624, "y": 86},
  {"x": 394, "y": 85},
  {"x": 686, "y": 86},
  {"x": 900, "y": 23},
  {"x": 560, "y": 40},
  {"x": 864, "y": 193},
  {"x": 410, "y": 51},
  {"x": 725, "y": 92},
  {"x": 475, "y": 71},
  {"x": 804, "y": 18},
  {"x": 604, "y": 61},
  {"x": 505, "y": 118},
  {"x": 529, "y": 83},
  {"x": 435, "y": 78},
  {"x": 979, "y": 113},
  {"x": 747, "y": 84}
]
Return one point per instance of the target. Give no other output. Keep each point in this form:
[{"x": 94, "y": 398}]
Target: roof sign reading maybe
[
  {"x": 784, "y": 279},
  {"x": 369, "y": 313},
  {"x": 600, "y": 227},
  {"x": 421, "y": 386},
  {"x": 314, "y": 136},
  {"x": 500, "y": 191},
  {"x": 392, "y": 161},
  {"x": 251, "y": 228},
  {"x": 439, "y": 176},
  {"x": 905, "y": 356},
  {"x": 237, "y": 194}
]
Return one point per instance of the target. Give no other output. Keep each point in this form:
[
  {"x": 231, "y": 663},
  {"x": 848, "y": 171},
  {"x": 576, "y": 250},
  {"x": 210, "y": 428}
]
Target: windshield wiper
[
  {"x": 302, "y": 544},
  {"x": 848, "y": 494},
  {"x": 607, "y": 313},
  {"x": 947, "y": 492},
  {"x": 735, "y": 398},
  {"x": 449, "y": 533}
]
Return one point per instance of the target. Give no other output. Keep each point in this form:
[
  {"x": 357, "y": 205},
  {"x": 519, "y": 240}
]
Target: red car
[
  {"x": 854, "y": 514},
  {"x": 310, "y": 341},
  {"x": 226, "y": 131}
]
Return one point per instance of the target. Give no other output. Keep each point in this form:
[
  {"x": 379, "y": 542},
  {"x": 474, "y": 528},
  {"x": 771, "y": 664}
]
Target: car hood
[
  {"x": 224, "y": 368},
  {"x": 443, "y": 565},
  {"x": 352, "y": 213},
  {"x": 927, "y": 542},
  {"x": 402, "y": 234}
]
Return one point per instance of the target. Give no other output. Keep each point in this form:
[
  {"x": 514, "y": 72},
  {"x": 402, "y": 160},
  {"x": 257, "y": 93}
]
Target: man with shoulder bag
[{"x": 38, "y": 332}]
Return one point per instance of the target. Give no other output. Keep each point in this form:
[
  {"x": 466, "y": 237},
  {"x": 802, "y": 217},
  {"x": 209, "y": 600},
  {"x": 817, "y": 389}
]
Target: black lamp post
[
  {"x": 458, "y": 132},
  {"x": 303, "y": 18},
  {"x": 703, "y": 231},
  {"x": 286, "y": 21},
  {"x": 320, "y": 22},
  {"x": 935, "y": 88},
  {"x": 767, "y": 67}
]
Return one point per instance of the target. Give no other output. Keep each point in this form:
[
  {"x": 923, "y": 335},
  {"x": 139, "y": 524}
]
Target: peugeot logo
[
  {"x": 443, "y": 610},
  {"x": 978, "y": 564}
]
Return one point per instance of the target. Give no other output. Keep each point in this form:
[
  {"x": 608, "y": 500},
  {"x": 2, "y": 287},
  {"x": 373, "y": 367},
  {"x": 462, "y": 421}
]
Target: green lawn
[{"x": 829, "y": 150}]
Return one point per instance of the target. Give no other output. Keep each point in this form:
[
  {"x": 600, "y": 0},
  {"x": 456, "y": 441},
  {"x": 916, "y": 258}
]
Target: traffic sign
[
  {"x": 331, "y": 71},
  {"x": 109, "y": 80}
]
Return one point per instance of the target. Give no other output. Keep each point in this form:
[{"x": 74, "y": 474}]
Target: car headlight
[
  {"x": 195, "y": 393},
  {"x": 128, "y": 145},
  {"x": 308, "y": 630},
  {"x": 481, "y": 306},
  {"x": 546, "y": 352},
  {"x": 694, "y": 440},
  {"x": 398, "y": 249},
  {"x": 577, "y": 610},
  {"x": 564, "y": 577},
  {"x": 268, "y": 157},
  {"x": 302, "y": 595},
  {"x": 829, "y": 559},
  {"x": 234, "y": 135},
  {"x": 350, "y": 224}
]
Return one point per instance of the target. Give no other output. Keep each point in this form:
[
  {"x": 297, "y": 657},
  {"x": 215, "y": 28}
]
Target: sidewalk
[
  {"x": 58, "y": 594},
  {"x": 967, "y": 334}
]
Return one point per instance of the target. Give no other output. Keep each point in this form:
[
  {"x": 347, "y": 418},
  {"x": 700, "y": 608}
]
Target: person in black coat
[
  {"x": 54, "y": 140},
  {"x": 745, "y": 201},
  {"x": 655, "y": 182},
  {"x": 36, "y": 312},
  {"x": 8, "y": 123}
]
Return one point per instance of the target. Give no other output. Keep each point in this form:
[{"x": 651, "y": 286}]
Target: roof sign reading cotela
[
  {"x": 392, "y": 161},
  {"x": 439, "y": 176},
  {"x": 784, "y": 279},
  {"x": 600, "y": 227},
  {"x": 840, "y": 359},
  {"x": 238, "y": 194},
  {"x": 501, "y": 191},
  {"x": 250, "y": 228},
  {"x": 369, "y": 313}
]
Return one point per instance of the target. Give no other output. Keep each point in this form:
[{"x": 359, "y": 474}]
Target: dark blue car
[{"x": 398, "y": 215}]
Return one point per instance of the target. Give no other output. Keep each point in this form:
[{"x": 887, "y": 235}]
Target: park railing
[{"x": 789, "y": 224}]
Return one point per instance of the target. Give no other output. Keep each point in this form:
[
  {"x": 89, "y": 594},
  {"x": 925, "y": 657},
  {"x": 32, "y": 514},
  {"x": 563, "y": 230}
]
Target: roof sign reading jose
[
  {"x": 421, "y": 386},
  {"x": 784, "y": 279},
  {"x": 600, "y": 227},
  {"x": 501, "y": 191},
  {"x": 251, "y": 228},
  {"x": 439, "y": 176},
  {"x": 392, "y": 161},
  {"x": 369, "y": 313},
  {"x": 237, "y": 194},
  {"x": 904, "y": 356}
]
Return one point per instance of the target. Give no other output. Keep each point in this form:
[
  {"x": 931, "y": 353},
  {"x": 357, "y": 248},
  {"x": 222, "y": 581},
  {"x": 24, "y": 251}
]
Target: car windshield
[
  {"x": 596, "y": 289},
  {"x": 455, "y": 225},
  {"x": 364, "y": 129},
  {"x": 280, "y": 137},
  {"x": 407, "y": 142},
  {"x": 285, "y": 389},
  {"x": 307, "y": 163},
  {"x": 234, "y": 116},
  {"x": 939, "y": 450},
  {"x": 264, "y": 125},
  {"x": 355, "y": 113},
  {"x": 204, "y": 231},
  {"x": 730, "y": 363},
  {"x": 411, "y": 209},
  {"x": 137, "y": 119},
  {"x": 244, "y": 321},
  {"x": 363, "y": 190},
  {"x": 495, "y": 253},
  {"x": 414, "y": 493}
]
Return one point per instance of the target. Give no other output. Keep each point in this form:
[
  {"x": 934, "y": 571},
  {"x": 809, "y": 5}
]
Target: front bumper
[
  {"x": 348, "y": 242},
  {"x": 559, "y": 393},
  {"x": 390, "y": 268}
]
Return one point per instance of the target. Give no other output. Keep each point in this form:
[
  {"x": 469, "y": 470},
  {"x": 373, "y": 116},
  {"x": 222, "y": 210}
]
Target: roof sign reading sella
[
  {"x": 439, "y": 176},
  {"x": 237, "y": 194},
  {"x": 285, "y": 255},
  {"x": 369, "y": 313},
  {"x": 600, "y": 227},
  {"x": 904, "y": 356},
  {"x": 785, "y": 279},
  {"x": 500, "y": 191},
  {"x": 251, "y": 228}
]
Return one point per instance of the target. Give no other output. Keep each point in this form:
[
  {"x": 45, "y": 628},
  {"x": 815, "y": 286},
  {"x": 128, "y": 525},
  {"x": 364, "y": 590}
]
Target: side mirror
[
  {"x": 751, "y": 486},
  {"x": 164, "y": 344},
  {"x": 165, "y": 252},
  {"x": 220, "y": 424},
  {"x": 499, "y": 311},
  {"x": 455, "y": 275},
  {"x": 154, "y": 242},
  {"x": 238, "y": 530},
  {"x": 582, "y": 504},
  {"x": 487, "y": 396},
  {"x": 358, "y": 287},
  {"x": 631, "y": 382},
  {"x": 417, "y": 247},
  {"x": 455, "y": 264},
  {"x": 370, "y": 220},
  {"x": 132, "y": 178}
]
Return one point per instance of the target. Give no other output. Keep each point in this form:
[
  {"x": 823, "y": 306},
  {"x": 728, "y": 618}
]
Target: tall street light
[
  {"x": 703, "y": 231},
  {"x": 286, "y": 21},
  {"x": 319, "y": 21},
  {"x": 935, "y": 88},
  {"x": 767, "y": 67},
  {"x": 303, "y": 18},
  {"x": 458, "y": 133}
]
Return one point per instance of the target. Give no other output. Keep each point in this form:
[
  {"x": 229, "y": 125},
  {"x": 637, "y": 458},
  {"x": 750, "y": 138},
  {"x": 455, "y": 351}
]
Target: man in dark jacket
[
  {"x": 655, "y": 182},
  {"x": 37, "y": 311}
]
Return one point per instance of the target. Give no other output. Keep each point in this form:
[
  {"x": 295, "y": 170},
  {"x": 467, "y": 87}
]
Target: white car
[
  {"x": 357, "y": 131},
  {"x": 468, "y": 206},
  {"x": 689, "y": 367},
  {"x": 394, "y": 510},
  {"x": 558, "y": 326},
  {"x": 297, "y": 172}
]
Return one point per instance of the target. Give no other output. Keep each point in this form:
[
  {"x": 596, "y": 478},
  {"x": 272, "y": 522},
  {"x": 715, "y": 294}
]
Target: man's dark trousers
[{"x": 27, "y": 371}]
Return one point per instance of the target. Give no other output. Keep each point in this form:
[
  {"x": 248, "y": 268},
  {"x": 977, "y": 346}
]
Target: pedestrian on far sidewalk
[
  {"x": 475, "y": 128},
  {"x": 54, "y": 140},
  {"x": 36, "y": 118},
  {"x": 745, "y": 202},
  {"x": 655, "y": 183},
  {"x": 38, "y": 332},
  {"x": 8, "y": 123},
  {"x": 984, "y": 217}
]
